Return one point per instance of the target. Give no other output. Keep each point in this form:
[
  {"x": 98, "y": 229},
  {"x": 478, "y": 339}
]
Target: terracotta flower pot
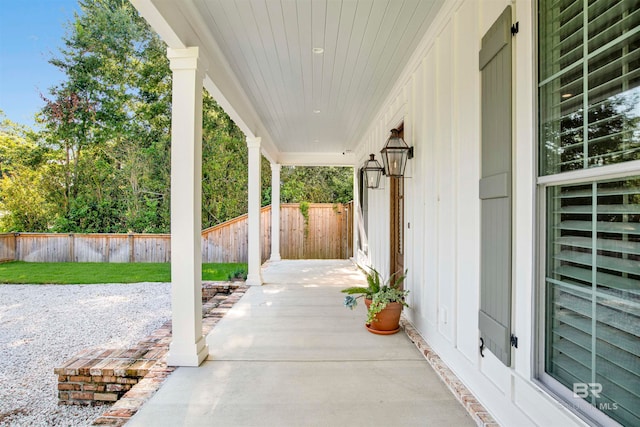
[{"x": 387, "y": 321}]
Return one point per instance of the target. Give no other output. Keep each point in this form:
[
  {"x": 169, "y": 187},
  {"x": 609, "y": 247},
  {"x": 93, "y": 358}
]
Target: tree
[
  {"x": 110, "y": 118},
  {"x": 25, "y": 180},
  {"x": 17, "y": 147},
  {"x": 224, "y": 166},
  {"x": 25, "y": 201},
  {"x": 102, "y": 161},
  {"x": 317, "y": 184}
]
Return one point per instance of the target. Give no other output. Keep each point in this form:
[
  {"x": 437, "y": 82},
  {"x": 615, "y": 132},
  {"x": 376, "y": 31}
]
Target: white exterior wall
[{"x": 438, "y": 98}]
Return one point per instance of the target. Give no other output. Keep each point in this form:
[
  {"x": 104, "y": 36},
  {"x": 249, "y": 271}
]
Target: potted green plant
[
  {"x": 373, "y": 280},
  {"x": 384, "y": 301}
]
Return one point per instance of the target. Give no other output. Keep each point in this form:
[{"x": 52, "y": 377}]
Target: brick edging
[
  {"x": 476, "y": 410},
  {"x": 212, "y": 311}
]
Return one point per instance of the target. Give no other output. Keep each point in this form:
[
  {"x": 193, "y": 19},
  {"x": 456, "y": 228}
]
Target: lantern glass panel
[
  {"x": 394, "y": 155},
  {"x": 372, "y": 178},
  {"x": 372, "y": 172}
]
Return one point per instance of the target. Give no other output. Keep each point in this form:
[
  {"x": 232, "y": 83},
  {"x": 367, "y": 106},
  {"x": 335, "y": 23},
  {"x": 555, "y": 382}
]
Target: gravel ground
[{"x": 41, "y": 326}]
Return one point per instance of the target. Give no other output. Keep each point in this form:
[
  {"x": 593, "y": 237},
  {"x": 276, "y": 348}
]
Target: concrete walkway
[{"x": 290, "y": 354}]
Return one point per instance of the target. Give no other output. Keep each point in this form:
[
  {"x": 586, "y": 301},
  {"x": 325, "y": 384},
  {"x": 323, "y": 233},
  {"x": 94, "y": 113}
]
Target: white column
[
  {"x": 275, "y": 212},
  {"x": 188, "y": 346},
  {"x": 356, "y": 208},
  {"x": 254, "y": 276}
]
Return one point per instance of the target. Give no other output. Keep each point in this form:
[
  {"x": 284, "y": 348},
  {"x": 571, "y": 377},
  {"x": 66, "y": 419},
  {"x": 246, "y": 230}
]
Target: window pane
[
  {"x": 610, "y": 74},
  {"x": 561, "y": 36},
  {"x": 610, "y": 19},
  {"x": 614, "y": 104},
  {"x": 562, "y": 124},
  {"x": 593, "y": 293}
]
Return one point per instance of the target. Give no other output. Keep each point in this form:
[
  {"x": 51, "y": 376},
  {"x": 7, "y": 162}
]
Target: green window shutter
[{"x": 495, "y": 189}]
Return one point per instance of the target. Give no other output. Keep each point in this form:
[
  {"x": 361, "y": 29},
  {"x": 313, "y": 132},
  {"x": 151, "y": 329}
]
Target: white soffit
[{"x": 262, "y": 62}]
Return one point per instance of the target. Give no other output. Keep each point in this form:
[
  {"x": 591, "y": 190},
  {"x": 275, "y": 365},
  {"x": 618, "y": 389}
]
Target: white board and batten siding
[{"x": 438, "y": 98}]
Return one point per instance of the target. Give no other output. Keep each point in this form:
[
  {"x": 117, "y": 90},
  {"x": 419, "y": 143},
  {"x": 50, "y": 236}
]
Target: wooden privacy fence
[
  {"x": 326, "y": 233},
  {"x": 7, "y": 247},
  {"x": 228, "y": 242},
  {"x": 48, "y": 247}
]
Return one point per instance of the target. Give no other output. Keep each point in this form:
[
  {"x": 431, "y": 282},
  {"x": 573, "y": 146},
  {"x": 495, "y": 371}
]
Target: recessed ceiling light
[
  {"x": 316, "y": 111},
  {"x": 567, "y": 95},
  {"x": 318, "y": 50}
]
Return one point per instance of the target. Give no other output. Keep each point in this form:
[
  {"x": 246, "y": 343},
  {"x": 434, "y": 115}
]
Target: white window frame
[
  {"x": 553, "y": 387},
  {"x": 564, "y": 395}
]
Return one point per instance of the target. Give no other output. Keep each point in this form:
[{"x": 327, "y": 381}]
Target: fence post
[
  {"x": 107, "y": 245},
  {"x": 72, "y": 248},
  {"x": 132, "y": 254},
  {"x": 15, "y": 247}
]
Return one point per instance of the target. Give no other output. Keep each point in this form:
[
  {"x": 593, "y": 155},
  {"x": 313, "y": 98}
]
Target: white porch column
[
  {"x": 356, "y": 214},
  {"x": 188, "y": 346},
  {"x": 275, "y": 212},
  {"x": 254, "y": 276}
]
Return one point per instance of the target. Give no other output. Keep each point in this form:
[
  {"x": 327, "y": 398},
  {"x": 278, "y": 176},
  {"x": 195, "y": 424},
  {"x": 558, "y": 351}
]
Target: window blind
[
  {"x": 593, "y": 292},
  {"x": 589, "y": 86}
]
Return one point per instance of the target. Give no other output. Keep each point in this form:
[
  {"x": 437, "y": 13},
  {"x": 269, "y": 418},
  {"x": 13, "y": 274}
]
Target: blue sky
[{"x": 30, "y": 34}]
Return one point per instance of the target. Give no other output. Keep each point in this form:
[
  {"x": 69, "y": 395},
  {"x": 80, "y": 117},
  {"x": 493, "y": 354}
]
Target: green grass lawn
[{"x": 68, "y": 273}]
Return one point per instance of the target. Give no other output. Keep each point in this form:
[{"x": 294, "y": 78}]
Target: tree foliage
[
  {"x": 316, "y": 184},
  {"x": 101, "y": 162},
  {"x": 25, "y": 179},
  {"x": 109, "y": 122}
]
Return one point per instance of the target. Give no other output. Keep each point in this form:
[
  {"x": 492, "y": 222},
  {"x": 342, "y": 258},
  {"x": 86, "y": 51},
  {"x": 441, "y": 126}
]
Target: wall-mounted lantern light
[
  {"x": 372, "y": 172},
  {"x": 395, "y": 154}
]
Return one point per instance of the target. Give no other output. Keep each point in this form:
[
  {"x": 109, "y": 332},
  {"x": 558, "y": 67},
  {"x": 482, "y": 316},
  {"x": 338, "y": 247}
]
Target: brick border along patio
[
  {"x": 129, "y": 377},
  {"x": 475, "y": 409}
]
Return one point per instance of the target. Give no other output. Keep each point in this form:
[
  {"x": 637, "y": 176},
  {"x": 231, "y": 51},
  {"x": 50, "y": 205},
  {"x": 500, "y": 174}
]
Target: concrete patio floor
[{"x": 290, "y": 354}]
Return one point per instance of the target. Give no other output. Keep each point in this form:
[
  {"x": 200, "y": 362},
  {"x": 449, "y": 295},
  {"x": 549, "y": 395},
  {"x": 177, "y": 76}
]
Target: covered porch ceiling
[{"x": 306, "y": 76}]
